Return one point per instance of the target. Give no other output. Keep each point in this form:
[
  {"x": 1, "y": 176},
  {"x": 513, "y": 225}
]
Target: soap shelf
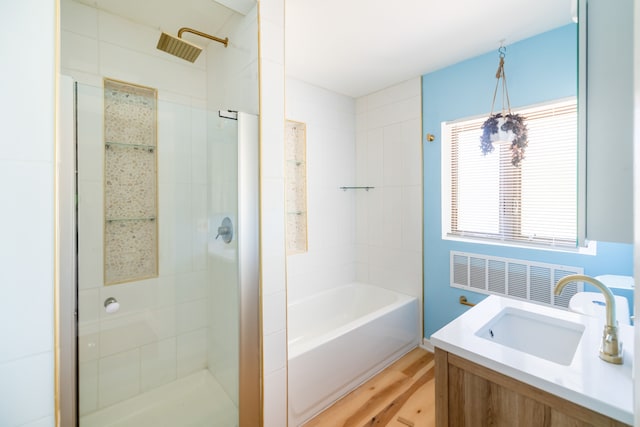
[
  {"x": 356, "y": 188},
  {"x": 148, "y": 148},
  {"x": 151, "y": 218}
]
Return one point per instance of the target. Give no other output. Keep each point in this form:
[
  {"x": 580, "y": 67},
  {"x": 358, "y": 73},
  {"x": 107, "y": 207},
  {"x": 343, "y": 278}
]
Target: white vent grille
[{"x": 515, "y": 278}]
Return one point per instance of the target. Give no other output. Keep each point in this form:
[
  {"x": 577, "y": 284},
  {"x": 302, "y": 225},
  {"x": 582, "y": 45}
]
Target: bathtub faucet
[{"x": 611, "y": 348}]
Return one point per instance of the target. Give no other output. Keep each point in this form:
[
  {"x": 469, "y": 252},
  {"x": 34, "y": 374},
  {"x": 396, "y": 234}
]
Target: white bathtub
[{"x": 341, "y": 337}]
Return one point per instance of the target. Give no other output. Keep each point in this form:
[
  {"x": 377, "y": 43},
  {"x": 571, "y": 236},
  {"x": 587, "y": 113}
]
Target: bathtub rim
[{"x": 297, "y": 347}]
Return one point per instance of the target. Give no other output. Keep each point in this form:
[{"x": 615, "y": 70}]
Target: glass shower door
[{"x": 167, "y": 350}]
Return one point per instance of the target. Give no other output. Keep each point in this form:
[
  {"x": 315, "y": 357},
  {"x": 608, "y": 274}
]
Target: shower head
[{"x": 183, "y": 49}]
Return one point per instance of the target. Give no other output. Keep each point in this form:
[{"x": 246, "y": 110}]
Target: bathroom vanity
[{"x": 507, "y": 362}]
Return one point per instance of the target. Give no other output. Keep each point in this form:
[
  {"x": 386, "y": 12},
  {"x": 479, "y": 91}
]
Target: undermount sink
[{"x": 543, "y": 336}]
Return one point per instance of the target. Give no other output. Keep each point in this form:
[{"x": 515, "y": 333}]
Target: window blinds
[{"x": 534, "y": 202}]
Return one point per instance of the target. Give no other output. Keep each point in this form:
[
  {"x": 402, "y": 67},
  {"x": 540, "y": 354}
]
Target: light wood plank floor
[{"x": 402, "y": 395}]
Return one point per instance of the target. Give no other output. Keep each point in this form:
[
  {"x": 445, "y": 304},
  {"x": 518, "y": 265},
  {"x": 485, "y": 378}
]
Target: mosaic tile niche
[
  {"x": 130, "y": 182},
  {"x": 296, "y": 186}
]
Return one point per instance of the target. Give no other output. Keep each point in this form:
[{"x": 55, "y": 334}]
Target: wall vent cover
[{"x": 514, "y": 278}]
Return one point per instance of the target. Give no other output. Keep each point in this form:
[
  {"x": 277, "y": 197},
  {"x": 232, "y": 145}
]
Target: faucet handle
[{"x": 611, "y": 349}]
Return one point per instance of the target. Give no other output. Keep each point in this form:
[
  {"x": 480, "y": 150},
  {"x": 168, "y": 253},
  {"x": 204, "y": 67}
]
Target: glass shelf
[
  {"x": 149, "y": 148},
  {"x": 150, "y": 218}
]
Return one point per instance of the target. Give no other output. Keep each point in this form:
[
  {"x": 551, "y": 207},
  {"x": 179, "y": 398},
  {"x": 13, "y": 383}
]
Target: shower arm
[{"x": 224, "y": 41}]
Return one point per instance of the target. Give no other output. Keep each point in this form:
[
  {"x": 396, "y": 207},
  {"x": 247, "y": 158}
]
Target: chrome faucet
[{"x": 611, "y": 348}]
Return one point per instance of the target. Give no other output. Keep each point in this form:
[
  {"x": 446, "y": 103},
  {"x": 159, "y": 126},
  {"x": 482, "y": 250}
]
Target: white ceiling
[{"x": 356, "y": 47}]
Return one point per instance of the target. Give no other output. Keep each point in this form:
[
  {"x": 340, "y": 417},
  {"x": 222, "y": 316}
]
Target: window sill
[{"x": 591, "y": 247}]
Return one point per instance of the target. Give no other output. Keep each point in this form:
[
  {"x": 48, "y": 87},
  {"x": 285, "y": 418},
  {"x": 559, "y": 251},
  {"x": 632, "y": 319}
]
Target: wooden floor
[{"x": 402, "y": 395}]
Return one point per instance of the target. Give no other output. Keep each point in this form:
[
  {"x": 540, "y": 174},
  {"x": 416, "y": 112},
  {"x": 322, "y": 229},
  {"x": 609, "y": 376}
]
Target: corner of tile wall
[{"x": 271, "y": 29}]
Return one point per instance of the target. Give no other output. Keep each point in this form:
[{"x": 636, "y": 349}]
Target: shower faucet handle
[
  {"x": 222, "y": 231},
  {"x": 225, "y": 230}
]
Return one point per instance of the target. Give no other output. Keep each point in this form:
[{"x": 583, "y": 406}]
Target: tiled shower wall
[
  {"x": 389, "y": 218},
  {"x": 373, "y": 236},
  {"x": 331, "y": 157},
  {"x": 272, "y": 247},
  {"x": 160, "y": 332}
]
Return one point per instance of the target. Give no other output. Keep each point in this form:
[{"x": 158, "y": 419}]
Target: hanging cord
[{"x": 500, "y": 74}]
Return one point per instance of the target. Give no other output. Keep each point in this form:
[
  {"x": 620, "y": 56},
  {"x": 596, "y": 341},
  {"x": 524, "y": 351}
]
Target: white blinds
[{"x": 534, "y": 202}]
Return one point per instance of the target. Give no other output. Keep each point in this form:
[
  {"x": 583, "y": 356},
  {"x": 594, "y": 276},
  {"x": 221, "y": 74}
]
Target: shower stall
[
  {"x": 159, "y": 289},
  {"x": 167, "y": 262}
]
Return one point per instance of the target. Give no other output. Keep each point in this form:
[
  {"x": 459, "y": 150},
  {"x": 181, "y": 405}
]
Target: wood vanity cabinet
[{"x": 469, "y": 395}]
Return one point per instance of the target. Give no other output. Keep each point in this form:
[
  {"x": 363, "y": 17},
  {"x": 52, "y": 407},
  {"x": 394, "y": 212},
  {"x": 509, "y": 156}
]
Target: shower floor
[{"x": 196, "y": 400}]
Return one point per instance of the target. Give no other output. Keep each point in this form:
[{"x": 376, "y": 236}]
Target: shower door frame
[{"x": 250, "y": 407}]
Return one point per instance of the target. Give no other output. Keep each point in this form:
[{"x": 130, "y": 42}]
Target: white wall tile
[
  {"x": 86, "y": 52},
  {"x": 362, "y": 218},
  {"x": 82, "y": 77},
  {"x": 394, "y": 94},
  {"x": 118, "y": 377},
  {"x": 272, "y": 212},
  {"x": 27, "y": 76},
  {"x": 275, "y": 307},
  {"x": 180, "y": 288},
  {"x": 89, "y": 305},
  {"x": 88, "y": 383},
  {"x": 273, "y": 269},
  {"x": 198, "y": 145},
  {"x": 380, "y": 99},
  {"x": 192, "y": 352},
  {"x": 375, "y": 157},
  {"x": 362, "y": 106},
  {"x": 78, "y": 18},
  {"x": 90, "y": 234},
  {"x": 26, "y": 391},
  {"x": 158, "y": 362},
  {"x": 164, "y": 322},
  {"x": 191, "y": 315},
  {"x": 362, "y": 273},
  {"x": 393, "y": 153},
  {"x": 134, "y": 298},
  {"x": 272, "y": 41},
  {"x": 123, "y": 64},
  {"x": 125, "y": 332},
  {"x": 27, "y": 260},
  {"x": 375, "y": 215},
  {"x": 90, "y": 137},
  {"x": 89, "y": 342},
  {"x": 174, "y": 141},
  {"x": 392, "y": 217},
  {"x": 275, "y": 352},
  {"x": 199, "y": 227},
  {"x": 275, "y": 399},
  {"x": 272, "y": 110},
  {"x": 412, "y": 152},
  {"x": 272, "y": 10}
]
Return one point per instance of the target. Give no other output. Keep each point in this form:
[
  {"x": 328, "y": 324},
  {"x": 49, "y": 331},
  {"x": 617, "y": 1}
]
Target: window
[{"x": 486, "y": 197}]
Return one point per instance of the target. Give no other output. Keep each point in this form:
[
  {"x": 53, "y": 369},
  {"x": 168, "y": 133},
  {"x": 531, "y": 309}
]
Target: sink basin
[{"x": 543, "y": 336}]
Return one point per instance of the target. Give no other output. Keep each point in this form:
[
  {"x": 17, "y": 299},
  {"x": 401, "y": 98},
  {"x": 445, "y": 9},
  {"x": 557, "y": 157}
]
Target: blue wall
[{"x": 538, "y": 69}]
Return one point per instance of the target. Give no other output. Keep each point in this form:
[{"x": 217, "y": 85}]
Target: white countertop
[{"x": 588, "y": 381}]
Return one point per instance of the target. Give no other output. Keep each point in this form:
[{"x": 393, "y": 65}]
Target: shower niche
[
  {"x": 130, "y": 182},
  {"x": 296, "y": 187}
]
